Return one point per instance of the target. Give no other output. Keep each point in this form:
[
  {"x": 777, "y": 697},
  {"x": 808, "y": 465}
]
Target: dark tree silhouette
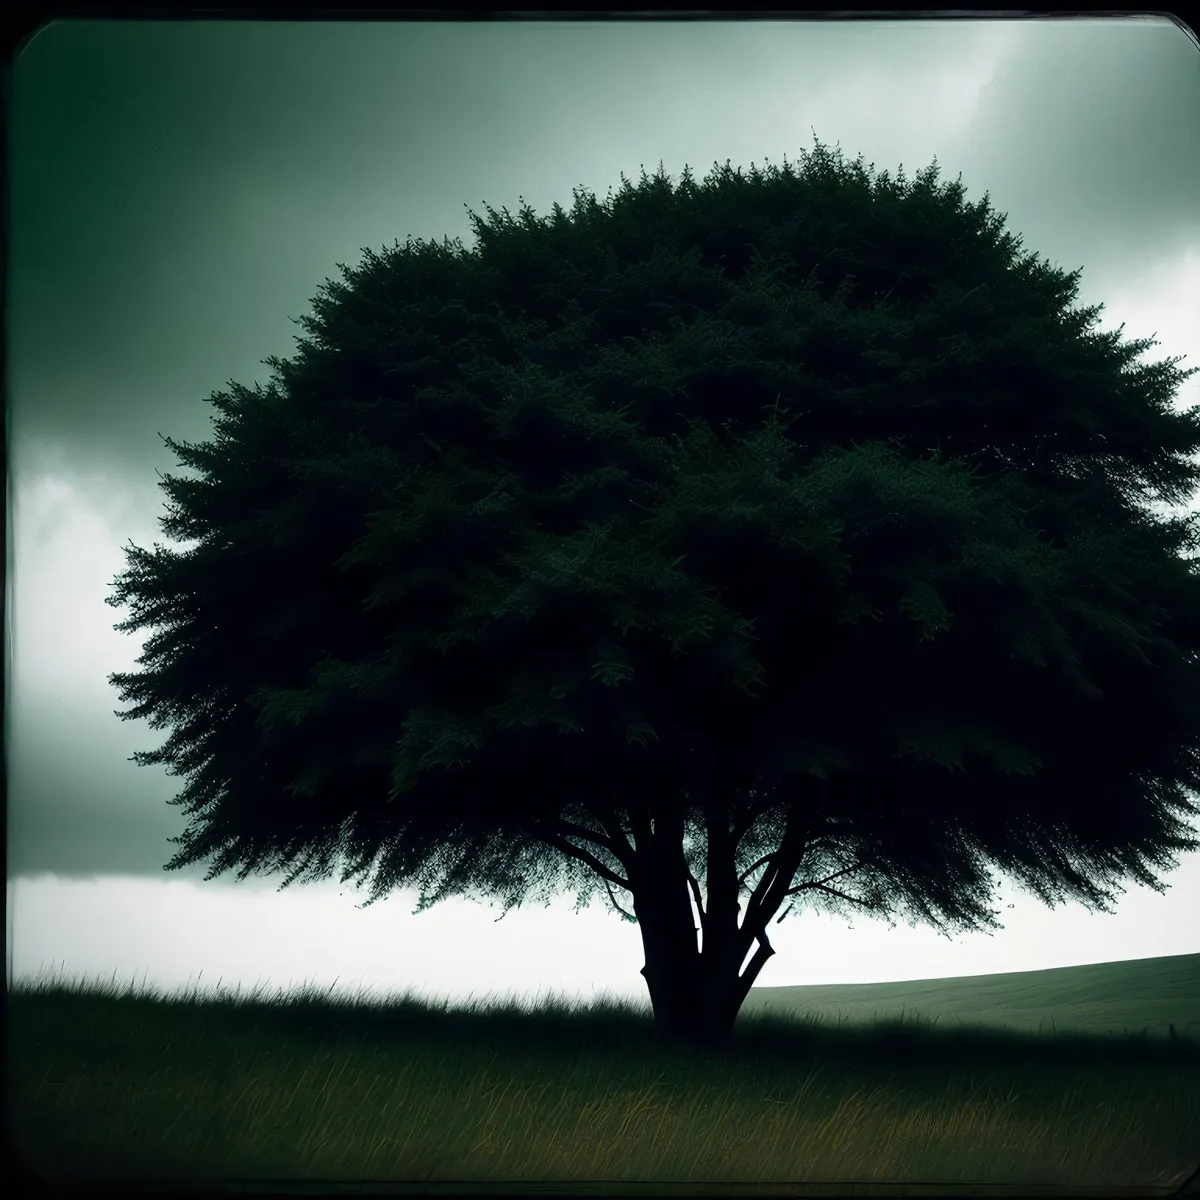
[{"x": 785, "y": 532}]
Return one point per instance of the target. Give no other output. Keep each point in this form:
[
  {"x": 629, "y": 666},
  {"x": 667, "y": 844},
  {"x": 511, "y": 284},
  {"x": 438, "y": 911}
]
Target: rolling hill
[{"x": 1144, "y": 993}]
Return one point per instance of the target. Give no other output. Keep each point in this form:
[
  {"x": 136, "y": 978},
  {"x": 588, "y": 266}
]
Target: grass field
[{"x": 128, "y": 1084}]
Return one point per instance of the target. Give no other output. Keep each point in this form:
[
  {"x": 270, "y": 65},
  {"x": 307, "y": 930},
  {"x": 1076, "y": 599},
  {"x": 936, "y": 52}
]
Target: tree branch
[
  {"x": 562, "y": 825},
  {"x": 627, "y": 916},
  {"x": 696, "y": 892},
  {"x": 768, "y": 894},
  {"x": 560, "y": 843},
  {"x": 766, "y": 858},
  {"x": 610, "y": 822},
  {"x": 835, "y": 892},
  {"x": 821, "y": 882},
  {"x": 761, "y": 955}
]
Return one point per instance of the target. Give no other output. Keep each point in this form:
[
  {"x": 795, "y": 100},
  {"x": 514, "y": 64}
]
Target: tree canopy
[{"x": 785, "y": 533}]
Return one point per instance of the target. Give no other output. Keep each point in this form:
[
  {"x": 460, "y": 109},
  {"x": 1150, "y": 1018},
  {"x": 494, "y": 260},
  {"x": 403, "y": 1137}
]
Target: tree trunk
[
  {"x": 663, "y": 907},
  {"x": 696, "y": 993}
]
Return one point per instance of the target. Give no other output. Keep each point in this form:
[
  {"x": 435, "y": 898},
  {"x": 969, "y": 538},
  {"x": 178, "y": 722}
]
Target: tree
[{"x": 785, "y": 532}]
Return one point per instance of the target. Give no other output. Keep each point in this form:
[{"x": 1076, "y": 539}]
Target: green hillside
[{"x": 1144, "y": 993}]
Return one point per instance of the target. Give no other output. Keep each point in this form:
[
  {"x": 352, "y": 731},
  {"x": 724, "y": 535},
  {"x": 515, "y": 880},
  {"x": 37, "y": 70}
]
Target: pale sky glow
[{"x": 178, "y": 193}]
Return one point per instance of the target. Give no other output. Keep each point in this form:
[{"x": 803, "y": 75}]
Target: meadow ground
[{"x": 132, "y": 1085}]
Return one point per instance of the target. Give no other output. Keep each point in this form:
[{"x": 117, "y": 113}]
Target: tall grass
[{"x": 306, "y": 1085}]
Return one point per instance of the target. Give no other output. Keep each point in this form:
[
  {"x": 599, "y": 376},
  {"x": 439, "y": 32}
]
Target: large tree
[{"x": 781, "y": 538}]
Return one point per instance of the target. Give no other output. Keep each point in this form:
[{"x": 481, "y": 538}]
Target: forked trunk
[
  {"x": 696, "y": 992},
  {"x": 696, "y": 996}
]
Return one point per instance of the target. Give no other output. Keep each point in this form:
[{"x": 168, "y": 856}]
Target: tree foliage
[{"x": 790, "y": 519}]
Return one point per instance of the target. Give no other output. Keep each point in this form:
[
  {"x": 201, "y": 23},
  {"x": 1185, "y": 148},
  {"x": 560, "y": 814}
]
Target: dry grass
[{"x": 135, "y": 1085}]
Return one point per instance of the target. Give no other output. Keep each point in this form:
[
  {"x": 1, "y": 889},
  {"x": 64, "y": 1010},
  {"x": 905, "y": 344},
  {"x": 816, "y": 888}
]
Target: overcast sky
[{"x": 179, "y": 190}]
